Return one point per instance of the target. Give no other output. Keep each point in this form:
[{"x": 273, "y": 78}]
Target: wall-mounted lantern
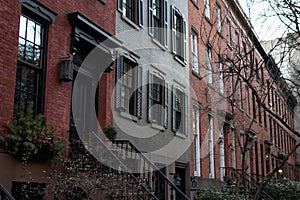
[
  {"x": 66, "y": 69},
  {"x": 177, "y": 180},
  {"x": 194, "y": 182}
]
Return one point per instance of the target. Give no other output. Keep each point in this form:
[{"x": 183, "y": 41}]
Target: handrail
[
  {"x": 5, "y": 193},
  {"x": 248, "y": 178},
  {"x": 166, "y": 179},
  {"x": 124, "y": 166}
]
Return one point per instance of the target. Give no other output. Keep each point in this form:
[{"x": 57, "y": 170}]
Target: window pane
[
  {"x": 29, "y": 52},
  {"x": 21, "y": 48},
  {"x": 22, "y": 29},
  {"x": 30, "y": 31},
  {"x": 38, "y": 35}
]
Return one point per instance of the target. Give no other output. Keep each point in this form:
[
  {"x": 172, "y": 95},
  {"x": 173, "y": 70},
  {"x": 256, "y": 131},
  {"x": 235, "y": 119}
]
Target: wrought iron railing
[
  {"x": 4, "y": 194},
  {"x": 148, "y": 166},
  {"x": 252, "y": 180},
  {"x": 137, "y": 188}
]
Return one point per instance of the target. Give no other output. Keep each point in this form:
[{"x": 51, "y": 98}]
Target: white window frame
[
  {"x": 218, "y": 18},
  {"x": 194, "y": 48},
  {"x": 164, "y": 22},
  {"x": 207, "y": 8},
  {"x": 196, "y": 133},
  {"x": 209, "y": 65},
  {"x": 183, "y": 58},
  {"x": 154, "y": 72},
  {"x": 140, "y": 14},
  {"x": 221, "y": 80},
  {"x": 176, "y": 87},
  {"x": 211, "y": 146},
  {"x": 228, "y": 31}
]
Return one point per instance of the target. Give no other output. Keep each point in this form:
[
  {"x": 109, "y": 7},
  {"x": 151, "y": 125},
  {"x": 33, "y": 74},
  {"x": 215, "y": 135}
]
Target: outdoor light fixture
[
  {"x": 177, "y": 180},
  {"x": 66, "y": 69},
  {"x": 194, "y": 182},
  {"x": 280, "y": 171}
]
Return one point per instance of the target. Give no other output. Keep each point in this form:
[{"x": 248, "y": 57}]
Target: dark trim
[
  {"x": 85, "y": 28},
  {"x": 194, "y": 29},
  {"x": 39, "y": 9}
]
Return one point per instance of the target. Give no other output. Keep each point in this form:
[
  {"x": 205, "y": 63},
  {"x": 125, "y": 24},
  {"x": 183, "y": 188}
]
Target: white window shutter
[
  {"x": 166, "y": 104},
  {"x": 150, "y": 102},
  {"x": 139, "y": 92},
  {"x": 151, "y": 18},
  {"x": 184, "y": 41},
  {"x": 173, "y": 29},
  {"x": 118, "y": 81},
  {"x": 141, "y": 13},
  {"x": 166, "y": 23}
]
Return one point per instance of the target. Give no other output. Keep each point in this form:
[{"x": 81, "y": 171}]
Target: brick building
[
  {"x": 38, "y": 34},
  {"x": 242, "y": 117}
]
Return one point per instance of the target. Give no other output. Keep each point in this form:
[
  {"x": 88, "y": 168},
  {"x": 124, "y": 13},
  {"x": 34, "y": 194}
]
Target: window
[
  {"x": 237, "y": 41},
  {"x": 195, "y": 124},
  {"x": 30, "y": 78},
  {"x": 179, "y": 111},
  {"x": 157, "y": 100},
  {"x": 218, "y": 18},
  {"x": 239, "y": 93},
  {"x": 254, "y": 105},
  {"x": 228, "y": 31},
  {"x": 247, "y": 98},
  {"x": 221, "y": 81},
  {"x": 211, "y": 146},
  {"x": 132, "y": 10},
  {"x": 158, "y": 20},
  {"x": 194, "y": 45},
  {"x": 179, "y": 37},
  {"x": 207, "y": 9},
  {"x": 128, "y": 96},
  {"x": 209, "y": 67}
]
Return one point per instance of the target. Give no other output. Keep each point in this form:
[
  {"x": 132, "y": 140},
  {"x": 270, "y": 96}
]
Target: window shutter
[
  {"x": 173, "y": 30},
  {"x": 150, "y": 102},
  {"x": 173, "y": 108},
  {"x": 186, "y": 111},
  {"x": 141, "y": 12},
  {"x": 166, "y": 104},
  {"x": 118, "y": 81},
  {"x": 139, "y": 92},
  {"x": 120, "y": 5},
  {"x": 184, "y": 41},
  {"x": 166, "y": 23},
  {"x": 151, "y": 17}
]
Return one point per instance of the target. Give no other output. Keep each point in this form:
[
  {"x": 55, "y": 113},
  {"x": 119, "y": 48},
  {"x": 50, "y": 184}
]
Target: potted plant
[
  {"x": 110, "y": 132},
  {"x": 31, "y": 138}
]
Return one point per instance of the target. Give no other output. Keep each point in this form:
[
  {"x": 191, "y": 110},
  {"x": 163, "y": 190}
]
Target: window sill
[
  {"x": 195, "y": 4},
  {"x": 128, "y": 116},
  {"x": 208, "y": 20},
  {"x": 229, "y": 46},
  {"x": 183, "y": 63},
  {"x": 157, "y": 126},
  {"x": 131, "y": 23},
  {"x": 180, "y": 135},
  {"x": 196, "y": 74},
  {"x": 155, "y": 41},
  {"x": 220, "y": 34}
]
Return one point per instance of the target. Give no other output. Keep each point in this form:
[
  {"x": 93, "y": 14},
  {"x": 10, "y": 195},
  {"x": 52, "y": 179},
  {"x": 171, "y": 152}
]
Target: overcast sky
[{"x": 266, "y": 28}]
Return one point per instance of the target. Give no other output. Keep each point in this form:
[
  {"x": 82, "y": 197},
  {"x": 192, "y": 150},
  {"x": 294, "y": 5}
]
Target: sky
[{"x": 266, "y": 28}]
